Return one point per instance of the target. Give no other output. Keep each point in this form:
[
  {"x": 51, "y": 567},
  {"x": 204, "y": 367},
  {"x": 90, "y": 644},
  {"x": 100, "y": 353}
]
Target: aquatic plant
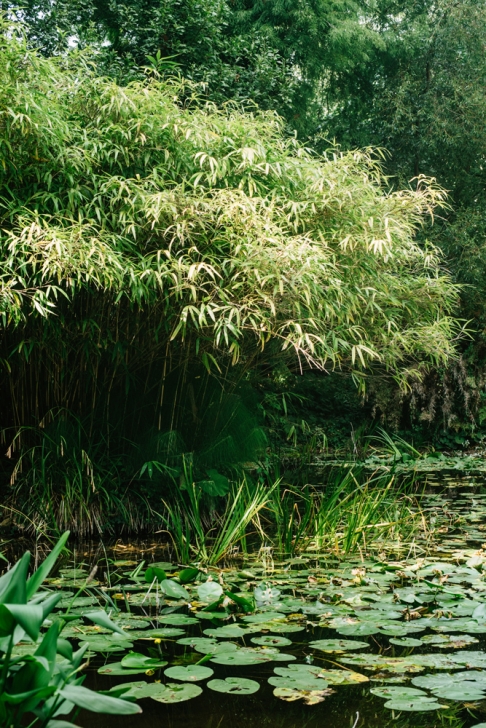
[
  {"x": 197, "y": 535},
  {"x": 45, "y": 682},
  {"x": 403, "y": 630}
]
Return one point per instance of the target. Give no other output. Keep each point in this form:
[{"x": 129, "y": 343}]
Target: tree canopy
[{"x": 210, "y": 221}]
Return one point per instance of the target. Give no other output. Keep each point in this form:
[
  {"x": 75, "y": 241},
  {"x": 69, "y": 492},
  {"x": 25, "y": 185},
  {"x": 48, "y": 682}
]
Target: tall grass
[
  {"x": 351, "y": 512},
  {"x": 198, "y": 534},
  {"x": 58, "y": 485}
]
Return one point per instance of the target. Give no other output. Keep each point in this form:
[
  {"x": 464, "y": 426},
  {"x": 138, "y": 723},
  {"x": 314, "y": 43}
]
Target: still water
[{"x": 410, "y": 623}]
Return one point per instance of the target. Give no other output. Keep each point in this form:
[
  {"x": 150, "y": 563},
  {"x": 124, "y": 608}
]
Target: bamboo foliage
[{"x": 150, "y": 241}]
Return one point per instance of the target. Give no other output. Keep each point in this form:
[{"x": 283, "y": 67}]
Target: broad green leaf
[
  {"x": 234, "y": 686},
  {"x": 137, "y": 660},
  {"x": 187, "y": 576},
  {"x": 210, "y": 591},
  {"x": 191, "y": 673},
  {"x": 89, "y": 700},
  {"x": 421, "y": 705},
  {"x": 172, "y": 589},
  {"x": 46, "y": 567},
  {"x": 103, "y": 620}
]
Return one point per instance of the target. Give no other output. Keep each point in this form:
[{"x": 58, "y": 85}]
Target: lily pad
[
  {"x": 191, "y": 673},
  {"x": 416, "y": 706},
  {"x": 158, "y": 633},
  {"x": 137, "y": 660},
  {"x": 116, "y": 668},
  {"x": 271, "y": 640},
  {"x": 398, "y": 693},
  {"x": 105, "y": 643},
  {"x": 177, "y": 619},
  {"x": 310, "y": 697},
  {"x": 406, "y": 641},
  {"x": 169, "y": 693},
  {"x": 337, "y": 645},
  {"x": 234, "y": 685},
  {"x": 209, "y": 592},
  {"x": 359, "y": 629},
  {"x": 229, "y": 631},
  {"x": 461, "y": 692},
  {"x": 173, "y": 589},
  {"x": 343, "y": 677},
  {"x": 263, "y": 617},
  {"x": 243, "y": 656}
]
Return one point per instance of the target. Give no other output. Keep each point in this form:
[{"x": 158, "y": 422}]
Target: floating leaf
[
  {"x": 271, "y": 640},
  {"x": 334, "y": 645},
  {"x": 116, "y": 668},
  {"x": 192, "y": 673},
  {"x": 210, "y": 591},
  {"x": 398, "y": 693},
  {"x": 157, "y": 633},
  {"x": 359, "y": 629},
  {"x": 417, "y": 706},
  {"x": 342, "y": 677},
  {"x": 243, "y": 656},
  {"x": 179, "y": 619},
  {"x": 154, "y": 572},
  {"x": 106, "y": 643},
  {"x": 406, "y": 641},
  {"x": 169, "y": 693},
  {"x": 234, "y": 685},
  {"x": 310, "y": 697},
  {"x": 137, "y": 660},
  {"x": 173, "y": 589},
  {"x": 230, "y": 631}
]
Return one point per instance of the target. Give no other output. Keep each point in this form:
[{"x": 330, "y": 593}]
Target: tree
[{"x": 156, "y": 248}]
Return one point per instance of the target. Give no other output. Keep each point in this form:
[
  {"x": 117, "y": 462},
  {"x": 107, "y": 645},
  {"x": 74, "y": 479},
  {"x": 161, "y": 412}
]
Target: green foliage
[
  {"x": 195, "y": 536},
  {"x": 156, "y": 249},
  {"x": 45, "y": 684},
  {"x": 210, "y": 223}
]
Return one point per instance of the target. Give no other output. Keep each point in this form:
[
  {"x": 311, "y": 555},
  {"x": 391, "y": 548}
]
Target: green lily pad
[
  {"x": 342, "y": 677},
  {"x": 229, "y": 631},
  {"x": 234, "y": 685},
  {"x": 416, "y": 706},
  {"x": 137, "y": 660},
  {"x": 242, "y": 656},
  {"x": 263, "y": 617},
  {"x": 337, "y": 645},
  {"x": 191, "y": 673},
  {"x": 177, "y": 619},
  {"x": 212, "y": 615},
  {"x": 405, "y": 641},
  {"x": 281, "y": 627},
  {"x": 77, "y": 602},
  {"x": 169, "y": 693},
  {"x": 158, "y": 633},
  {"x": 310, "y": 697},
  {"x": 359, "y": 629},
  {"x": 272, "y": 641},
  {"x": 209, "y": 592},
  {"x": 300, "y": 677},
  {"x": 116, "y": 668},
  {"x": 461, "y": 692},
  {"x": 173, "y": 589},
  {"x": 398, "y": 693},
  {"x": 105, "y": 643},
  {"x": 211, "y": 647},
  {"x": 131, "y": 623}
]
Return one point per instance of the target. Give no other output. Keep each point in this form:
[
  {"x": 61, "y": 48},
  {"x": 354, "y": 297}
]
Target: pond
[{"x": 391, "y": 637}]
